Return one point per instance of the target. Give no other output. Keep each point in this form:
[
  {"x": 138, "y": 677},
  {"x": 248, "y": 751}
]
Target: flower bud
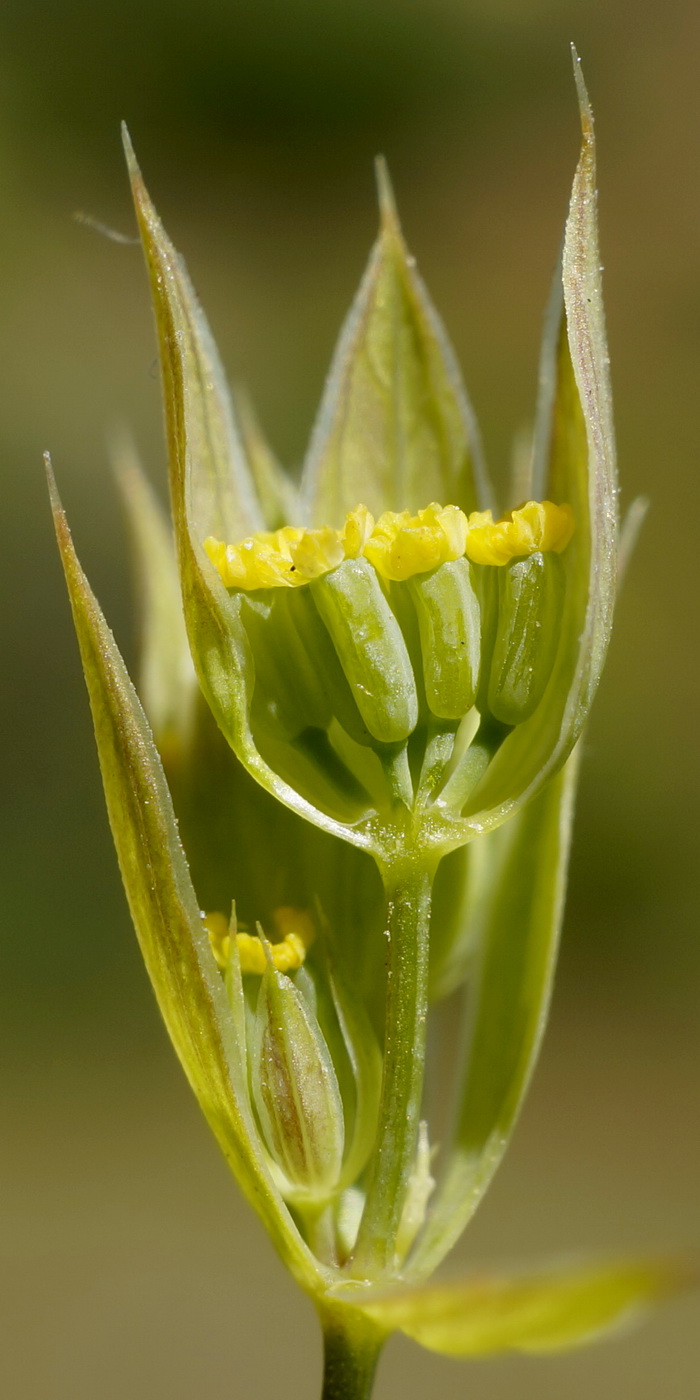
[
  {"x": 449, "y": 619},
  {"x": 527, "y": 636},
  {"x": 295, "y": 1090},
  {"x": 371, "y": 648}
]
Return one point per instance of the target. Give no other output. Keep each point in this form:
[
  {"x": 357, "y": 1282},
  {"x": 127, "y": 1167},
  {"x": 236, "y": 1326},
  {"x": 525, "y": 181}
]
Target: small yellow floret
[
  {"x": 287, "y": 955},
  {"x": 402, "y": 545},
  {"x": 538, "y": 525},
  {"x": 283, "y": 558}
]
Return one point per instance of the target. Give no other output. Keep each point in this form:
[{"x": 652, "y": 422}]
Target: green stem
[
  {"x": 351, "y": 1351},
  {"x": 408, "y": 890}
]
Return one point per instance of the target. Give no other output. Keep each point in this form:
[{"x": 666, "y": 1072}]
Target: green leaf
[
  {"x": 205, "y": 501},
  {"x": 574, "y": 463},
  {"x": 395, "y": 430},
  {"x": 167, "y": 682},
  {"x": 166, "y": 915},
  {"x": 513, "y": 923},
  {"x": 551, "y": 1310}
]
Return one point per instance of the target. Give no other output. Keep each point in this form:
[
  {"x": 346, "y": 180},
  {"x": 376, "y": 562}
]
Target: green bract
[{"x": 378, "y": 766}]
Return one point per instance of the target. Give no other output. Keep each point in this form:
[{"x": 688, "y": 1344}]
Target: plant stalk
[
  {"x": 351, "y": 1351},
  {"x": 408, "y": 890}
]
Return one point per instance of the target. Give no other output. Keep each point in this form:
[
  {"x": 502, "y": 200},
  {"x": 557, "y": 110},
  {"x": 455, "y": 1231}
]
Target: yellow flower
[{"x": 399, "y": 545}]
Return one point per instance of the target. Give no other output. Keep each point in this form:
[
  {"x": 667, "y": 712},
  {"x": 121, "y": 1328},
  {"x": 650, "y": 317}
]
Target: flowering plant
[{"x": 358, "y": 718}]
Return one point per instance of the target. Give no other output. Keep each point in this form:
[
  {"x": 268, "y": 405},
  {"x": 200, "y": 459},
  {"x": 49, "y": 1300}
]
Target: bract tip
[
  {"x": 583, "y": 100},
  {"x": 387, "y": 203}
]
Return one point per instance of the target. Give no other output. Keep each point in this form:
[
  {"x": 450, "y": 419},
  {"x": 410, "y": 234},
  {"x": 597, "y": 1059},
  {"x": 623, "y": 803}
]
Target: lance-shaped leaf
[
  {"x": 551, "y": 1310},
  {"x": 166, "y": 915},
  {"x": 167, "y": 682},
  {"x": 516, "y": 929},
  {"x": 575, "y": 462},
  {"x": 197, "y": 419},
  {"x": 395, "y": 429}
]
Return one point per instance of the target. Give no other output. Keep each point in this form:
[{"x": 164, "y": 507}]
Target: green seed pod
[
  {"x": 371, "y": 649},
  {"x": 527, "y": 636},
  {"x": 295, "y": 1091},
  {"x": 449, "y": 618}
]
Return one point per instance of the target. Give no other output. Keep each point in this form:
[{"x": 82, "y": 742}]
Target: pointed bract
[
  {"x": 515, "y": 920},
  {"x": 167, "y": 682},
  {"x": 575, "y": 462},
  {"x": 395, "y": 429},
  {"x": 220, "y": 493},
  {"x": 203, "y": 491},
  {"x": 165, "y": 912}
]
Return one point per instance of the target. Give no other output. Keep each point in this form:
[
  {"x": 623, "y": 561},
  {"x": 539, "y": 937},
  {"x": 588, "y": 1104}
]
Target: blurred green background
[{"x": 129, "y": 1266}]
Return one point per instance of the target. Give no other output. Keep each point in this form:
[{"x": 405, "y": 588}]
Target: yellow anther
[
  {"x": 555, "y": 524},
  {"x": 283, "y": 558},
  {"x": 295, "y": 927},
  {"x": 488, "y": 542},
  {"x": 251, "y": 953},
  {"x": 538, "y": 525},
  {"x": 399, "y": 544},
  {"x": 286, "y": 956},
  {"x": 402, "y": 545}
]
